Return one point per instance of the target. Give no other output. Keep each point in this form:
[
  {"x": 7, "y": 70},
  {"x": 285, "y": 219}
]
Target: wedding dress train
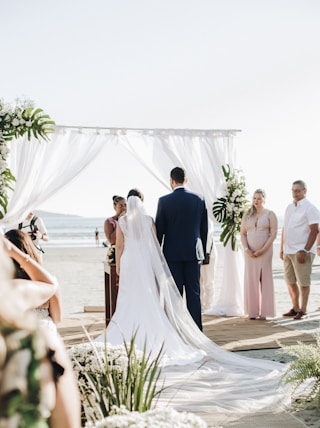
[{"x": 198, "y": 375}]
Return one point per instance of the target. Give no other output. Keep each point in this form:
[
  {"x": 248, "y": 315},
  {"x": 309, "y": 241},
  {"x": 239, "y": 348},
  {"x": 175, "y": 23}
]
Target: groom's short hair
[{"x": 178, "y": 174}]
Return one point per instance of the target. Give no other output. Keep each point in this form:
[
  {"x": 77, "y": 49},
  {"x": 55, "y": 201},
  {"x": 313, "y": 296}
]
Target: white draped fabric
[
  {"x": 230, "y": 301},
  {"x": 42, "y": 169},
  {"x": 201, "y": 153}
]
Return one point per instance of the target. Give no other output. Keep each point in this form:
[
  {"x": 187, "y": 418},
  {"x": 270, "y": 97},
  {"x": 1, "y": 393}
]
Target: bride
[{"x": 198, "y": 374}]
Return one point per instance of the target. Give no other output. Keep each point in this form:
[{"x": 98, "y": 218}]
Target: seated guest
[
  {"x": 27, "y": 351},
  {"x": 50, "y": 311}
]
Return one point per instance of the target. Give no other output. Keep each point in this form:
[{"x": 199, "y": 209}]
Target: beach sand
[{"x": 80, "y": 272}]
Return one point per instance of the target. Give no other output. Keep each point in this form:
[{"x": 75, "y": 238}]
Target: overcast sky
[{"x": 252, "y": 65}]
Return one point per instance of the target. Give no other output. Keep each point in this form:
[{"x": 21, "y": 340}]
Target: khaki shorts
[{"x": 295, "y": 272}]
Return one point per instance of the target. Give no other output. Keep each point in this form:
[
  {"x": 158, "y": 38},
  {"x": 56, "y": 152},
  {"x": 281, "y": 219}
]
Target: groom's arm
[
  {"x": 159, "y": 221},
  {"x": 204, "y": 227}
]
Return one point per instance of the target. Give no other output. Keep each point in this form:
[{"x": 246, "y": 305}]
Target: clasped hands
[{"x": 254, "y": 253}]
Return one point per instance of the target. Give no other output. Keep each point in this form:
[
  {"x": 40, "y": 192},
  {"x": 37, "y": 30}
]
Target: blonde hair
[{"x": 252, "y": 210}]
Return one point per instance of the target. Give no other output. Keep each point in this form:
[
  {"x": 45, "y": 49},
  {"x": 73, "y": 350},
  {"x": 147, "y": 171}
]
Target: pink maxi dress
[{"x": 258, "y": 280}]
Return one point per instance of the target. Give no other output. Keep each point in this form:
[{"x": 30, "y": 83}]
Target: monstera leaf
[
  {"x": 35, "y": 123},
  {"x": 219, "y": 210}
]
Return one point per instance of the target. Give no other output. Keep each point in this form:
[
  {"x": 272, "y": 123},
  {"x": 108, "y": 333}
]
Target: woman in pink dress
[{"x": 258, "y": 231}]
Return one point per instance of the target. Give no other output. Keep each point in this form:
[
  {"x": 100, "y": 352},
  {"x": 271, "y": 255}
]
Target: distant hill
[{"x": 48, "y": 214}]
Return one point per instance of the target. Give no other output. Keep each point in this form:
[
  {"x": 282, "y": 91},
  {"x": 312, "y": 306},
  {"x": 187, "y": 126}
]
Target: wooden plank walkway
[{"x": 231, "y": 333}]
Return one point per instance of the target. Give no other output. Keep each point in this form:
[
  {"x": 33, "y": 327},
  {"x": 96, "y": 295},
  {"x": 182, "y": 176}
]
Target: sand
[{"x": 80, "y": 272}]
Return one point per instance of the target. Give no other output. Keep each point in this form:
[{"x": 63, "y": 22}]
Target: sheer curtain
[
  {"x": 43, "y": 168},
  {"x": 201, "y": 153}
]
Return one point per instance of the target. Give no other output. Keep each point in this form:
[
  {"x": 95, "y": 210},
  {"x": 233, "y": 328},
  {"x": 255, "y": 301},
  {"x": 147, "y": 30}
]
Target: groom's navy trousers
[{"x": 187, "y": 275}]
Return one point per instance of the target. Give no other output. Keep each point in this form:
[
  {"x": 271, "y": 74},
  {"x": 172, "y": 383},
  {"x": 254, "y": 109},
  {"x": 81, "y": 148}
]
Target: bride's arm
[
  {"x": 154, "y": 228},
  {"x": 119, "y": 247},
  {"x": 41, "y": 286}
]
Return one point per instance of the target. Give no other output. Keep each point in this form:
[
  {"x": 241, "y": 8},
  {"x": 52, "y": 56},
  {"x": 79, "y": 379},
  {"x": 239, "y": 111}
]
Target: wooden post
[{"x": 111, "y": 281}]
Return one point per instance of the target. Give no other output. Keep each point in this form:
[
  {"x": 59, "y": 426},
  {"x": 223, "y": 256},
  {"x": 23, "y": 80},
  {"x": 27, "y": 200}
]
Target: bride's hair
[{"x": 135, "y": 192}]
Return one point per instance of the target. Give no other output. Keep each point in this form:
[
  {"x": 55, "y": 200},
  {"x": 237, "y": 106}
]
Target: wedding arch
[{"x": 43, "y": 168}]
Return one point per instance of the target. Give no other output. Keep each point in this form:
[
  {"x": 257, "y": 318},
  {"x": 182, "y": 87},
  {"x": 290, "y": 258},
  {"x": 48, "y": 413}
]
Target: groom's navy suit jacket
[{"x": 181, "y": 222}]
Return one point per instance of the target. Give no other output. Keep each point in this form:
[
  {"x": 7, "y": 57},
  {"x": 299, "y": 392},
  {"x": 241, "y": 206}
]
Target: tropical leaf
[
  {"x": 226, "y": 171},
  {"x": 219, "y": 210},
  {"x": 304, "y": 371},
  {"x": 134, "y": 385}
]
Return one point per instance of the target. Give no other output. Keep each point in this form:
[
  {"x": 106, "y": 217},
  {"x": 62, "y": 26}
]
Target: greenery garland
[
  {"x": 23, "y": 119},
  {"x": 229, "y": 209}
]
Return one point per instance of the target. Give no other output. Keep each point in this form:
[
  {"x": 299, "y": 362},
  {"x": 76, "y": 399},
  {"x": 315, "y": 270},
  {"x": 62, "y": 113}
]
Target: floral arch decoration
[{"x": 22, "y": 119}]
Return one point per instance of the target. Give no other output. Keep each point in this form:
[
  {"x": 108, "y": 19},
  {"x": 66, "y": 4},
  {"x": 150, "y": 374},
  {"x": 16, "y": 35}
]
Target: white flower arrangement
[
  {"x": 111, "y": 254},
  {"x": 229, "y": 209},
  {"x": 93, "y": 357},
  {"x": 15, "y": 122},
  {"x": 160, "y": 417},
  {"x": 98, "y": 358}
]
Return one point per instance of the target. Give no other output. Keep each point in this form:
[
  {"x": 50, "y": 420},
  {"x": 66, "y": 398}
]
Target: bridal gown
[{"x": 198, "y": 375}]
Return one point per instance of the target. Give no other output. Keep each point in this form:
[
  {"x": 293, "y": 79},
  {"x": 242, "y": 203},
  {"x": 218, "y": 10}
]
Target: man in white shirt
[{"x": 298, "y": 248}]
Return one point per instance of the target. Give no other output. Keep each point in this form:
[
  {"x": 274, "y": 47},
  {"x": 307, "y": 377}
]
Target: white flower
[
  {"x": 16, "y": 122},
  {"x": 160, "y": 417},
  {"x": 111, "y": 254}
]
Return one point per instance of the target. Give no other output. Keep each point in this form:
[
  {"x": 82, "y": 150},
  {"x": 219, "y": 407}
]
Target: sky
[{"x": 252, "y": 65}]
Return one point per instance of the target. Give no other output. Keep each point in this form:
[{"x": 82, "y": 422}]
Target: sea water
[
  {"x": 72, "y": 231},
  {"x": 76, "y": 231}
]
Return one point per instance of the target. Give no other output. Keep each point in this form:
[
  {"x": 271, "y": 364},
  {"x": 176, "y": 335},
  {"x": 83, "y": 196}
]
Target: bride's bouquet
[{"x": 111, "y": 254}]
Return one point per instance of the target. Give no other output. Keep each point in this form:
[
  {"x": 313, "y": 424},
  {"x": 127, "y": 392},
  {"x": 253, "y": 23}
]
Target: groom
[{"x": 182, "y": 228}]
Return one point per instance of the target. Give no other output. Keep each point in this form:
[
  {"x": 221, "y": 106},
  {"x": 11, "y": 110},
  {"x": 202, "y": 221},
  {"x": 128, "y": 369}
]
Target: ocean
[
  {"x": 71, "y": 230},
  {"x": 76, "y": 231}
]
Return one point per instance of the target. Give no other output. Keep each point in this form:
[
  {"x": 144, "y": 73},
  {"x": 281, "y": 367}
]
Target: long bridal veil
[{"x": 220, "y": 381}]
